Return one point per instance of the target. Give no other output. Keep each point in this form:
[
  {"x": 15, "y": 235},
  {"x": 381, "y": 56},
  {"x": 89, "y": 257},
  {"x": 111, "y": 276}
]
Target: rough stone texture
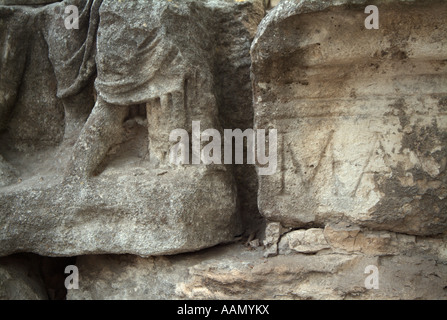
[
  {"x": 234, "y": 272},
  {"x": 7, "y": 173},
  {"x": 144, "y": 217},
  {"x": 14, "y": 26},
  {"x": 271, "y": 235},
  {"x": 20, "y": 279},
  {"x": 29, "y": 127},
  {"x": 305, "y": 241},
  {"x": 348, "y": 238},
  {"x": 85, "y": 117},
  {"x": 360, "y": 114},
  {"x": 237, "y": 28},
  {"x": 155, "y": 73}
]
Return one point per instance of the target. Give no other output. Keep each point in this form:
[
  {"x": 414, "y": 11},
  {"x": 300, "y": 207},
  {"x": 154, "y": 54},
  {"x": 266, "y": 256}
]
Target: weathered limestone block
[
  {"x": 349, "y": 238},
  {"x": 37, "y": 118},
  {"x": 137, "y": 212},
  {"x": 306, "y": 241},
  {"x": 360, "y": 114},
  {"x": 234, "y": 272},
  {"x": 14, "y": 35},
  {"x": 272, "y": 235},
  {"x": 353, "y": 239},
  {"x": 160, "y": 58}
]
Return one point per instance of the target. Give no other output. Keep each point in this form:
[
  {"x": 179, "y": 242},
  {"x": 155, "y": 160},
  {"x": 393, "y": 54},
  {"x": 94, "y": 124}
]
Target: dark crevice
[
  {"x": 44, "y": 276},
  {"x": 52, "y": 270}
]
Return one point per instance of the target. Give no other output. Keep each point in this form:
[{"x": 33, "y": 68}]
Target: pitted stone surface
[{"x": 360, "y": 114}]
